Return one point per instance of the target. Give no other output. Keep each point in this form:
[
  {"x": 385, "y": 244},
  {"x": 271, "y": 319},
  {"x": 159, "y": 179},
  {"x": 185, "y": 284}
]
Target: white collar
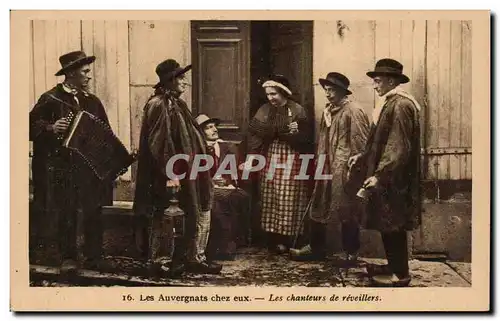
[{"x": 379, "y": 105}]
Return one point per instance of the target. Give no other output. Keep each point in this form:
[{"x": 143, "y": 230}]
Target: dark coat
[
  {"x": 392, "y": 154},
  {"x": 168, "y": 128},
  {"x": 61, "y": 179}
]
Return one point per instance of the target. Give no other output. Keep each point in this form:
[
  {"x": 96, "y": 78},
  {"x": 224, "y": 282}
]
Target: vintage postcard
[{"x": 250, "y": 161}]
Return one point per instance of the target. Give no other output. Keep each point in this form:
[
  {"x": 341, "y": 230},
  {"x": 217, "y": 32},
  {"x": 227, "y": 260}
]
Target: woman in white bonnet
[{"x": 280, "y": 129}]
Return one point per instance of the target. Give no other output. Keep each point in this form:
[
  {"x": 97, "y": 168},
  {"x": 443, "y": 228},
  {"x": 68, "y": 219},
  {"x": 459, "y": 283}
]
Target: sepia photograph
[{"x": 265, "y": 162}]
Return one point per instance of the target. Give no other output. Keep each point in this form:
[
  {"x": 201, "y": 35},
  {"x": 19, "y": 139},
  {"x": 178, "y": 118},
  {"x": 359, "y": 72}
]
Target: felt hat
[
  {"x": 203, "y": 119},
  {"x": 389, "y": 67},
  {"x": 170, "y": 69},
  {"x": 73, "y": 60},
  {"x": 336, "y": 79}
]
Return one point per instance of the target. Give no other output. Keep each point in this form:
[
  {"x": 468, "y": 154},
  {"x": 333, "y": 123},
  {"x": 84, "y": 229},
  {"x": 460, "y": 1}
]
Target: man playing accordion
[{"x": 64, "y": 185}]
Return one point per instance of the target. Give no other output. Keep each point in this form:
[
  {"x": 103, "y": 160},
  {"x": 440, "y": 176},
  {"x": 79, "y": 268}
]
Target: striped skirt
[{"x": 283, "y": 198}]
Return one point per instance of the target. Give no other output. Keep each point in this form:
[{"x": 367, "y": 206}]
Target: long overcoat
[
  {"x": 168, "y": 128},
  {"x": 345, "y": 136},
  {"x": 392, "y": 154},
  {"x": 61, "y": 179}
]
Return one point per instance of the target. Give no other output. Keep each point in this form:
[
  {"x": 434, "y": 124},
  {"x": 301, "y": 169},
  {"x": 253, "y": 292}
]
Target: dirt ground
[{"x": 255, "y": 267}]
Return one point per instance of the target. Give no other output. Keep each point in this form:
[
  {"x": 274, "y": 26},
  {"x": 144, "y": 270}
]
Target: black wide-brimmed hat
[
  {"x": 338, "y": 80},
  {"x": 203, "y": 119},
  {"x": 389, "y": 67},
  {"x": 276, "y": 80},
  {"x": 170, "y": 69},
  {"x": 73, "y": 60}
]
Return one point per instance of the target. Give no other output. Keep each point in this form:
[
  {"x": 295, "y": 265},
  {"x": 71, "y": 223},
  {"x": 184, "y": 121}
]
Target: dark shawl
[
  {"x": 168, "y": 128},
  {"x": 344, "y": 138},
  {"x": 270, "y": 123},
  {"x": 392, "y": 154},
  {"x": 61, "y": 179}
]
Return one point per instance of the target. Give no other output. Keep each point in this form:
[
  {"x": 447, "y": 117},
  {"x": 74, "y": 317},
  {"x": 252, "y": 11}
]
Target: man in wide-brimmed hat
[
  {"x": 391, "y": 159},
  {"x": 230, "y": 211},
  {"x": 63, "y": 184},
  {"x": 168, "y": 128},
  {"x": 343, "y": 131}
]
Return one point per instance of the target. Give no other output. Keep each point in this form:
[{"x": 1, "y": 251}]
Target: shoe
[
  {"x": 279, "y": 249},
  {"x": 391, "y": 280},
  {"x": 172, "y": 271},
  {"x": 215, "y": 266},
  {"x": 204, "y": 268},
  {"x": 351, "y": 257},
  {"x": 351, "y": 260},
  {"x": 374, "y": 269},
  {"x": 69, "y": 266},
  {"x": 306, "y": 254}
]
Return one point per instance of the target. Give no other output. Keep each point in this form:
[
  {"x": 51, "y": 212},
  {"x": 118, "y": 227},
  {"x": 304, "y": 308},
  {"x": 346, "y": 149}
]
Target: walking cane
[{"x": 302, "y": 222}]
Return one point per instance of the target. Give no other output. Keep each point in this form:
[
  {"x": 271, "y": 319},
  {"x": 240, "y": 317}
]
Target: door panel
[
  {"x": 221, "y": 74},
  {"x": 291, "y": 56}
]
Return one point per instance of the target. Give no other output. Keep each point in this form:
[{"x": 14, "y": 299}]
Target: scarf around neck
[
  {"x": 331, "y": 108},
  {"x": 379, "y": 105},
  {"x": 73, "y": 91}
]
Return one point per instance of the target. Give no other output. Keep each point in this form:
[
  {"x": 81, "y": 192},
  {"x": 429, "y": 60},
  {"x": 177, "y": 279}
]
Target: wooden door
[
  {"x": 221, "y": 72},
  {"x": 291, "y": 56}
]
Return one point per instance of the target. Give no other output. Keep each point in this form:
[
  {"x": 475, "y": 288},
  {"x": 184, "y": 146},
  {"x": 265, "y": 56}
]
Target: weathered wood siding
[
  {"x": 449, "y": 91},
  {"x": 124, "y": 72},
  {"x": 150, "y": 43},
  {"x": 47, "y": 40},
  {"x": 108, "y": 41},
  {"x": 437, "y": 58}
]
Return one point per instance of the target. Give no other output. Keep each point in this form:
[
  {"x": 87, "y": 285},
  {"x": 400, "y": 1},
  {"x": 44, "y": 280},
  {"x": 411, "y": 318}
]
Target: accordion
[{"x": 95, "y": 141}]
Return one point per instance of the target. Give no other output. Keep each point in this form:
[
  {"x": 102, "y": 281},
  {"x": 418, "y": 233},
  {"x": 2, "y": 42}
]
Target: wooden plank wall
[
  {"x": 405, "y": 42},
  {"x": 108, "y": 41},
  {"x": 437, "y": 58},
  {"x": 49, "y": 39},
  {"x": 346, "y": 47},
  {"x": 449, "y": 90},
  {"x": 151, "y": 42}
]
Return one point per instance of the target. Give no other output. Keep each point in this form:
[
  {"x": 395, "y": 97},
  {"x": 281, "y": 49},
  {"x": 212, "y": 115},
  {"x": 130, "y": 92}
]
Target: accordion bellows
[{"x": 95, "y": 141}]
